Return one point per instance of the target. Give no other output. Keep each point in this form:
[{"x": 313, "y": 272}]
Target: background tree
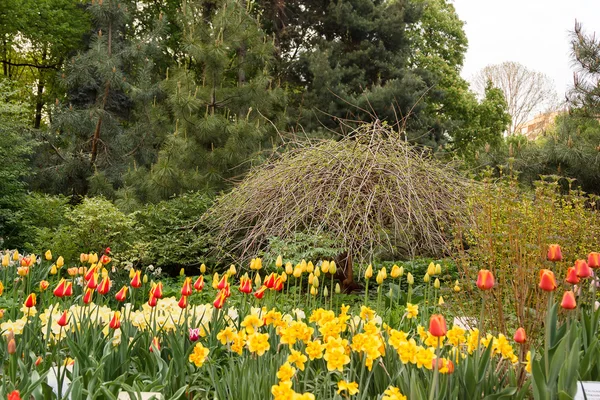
[
  {"x": 526, "y": 92},
  {"x": 585, "y": 94}
]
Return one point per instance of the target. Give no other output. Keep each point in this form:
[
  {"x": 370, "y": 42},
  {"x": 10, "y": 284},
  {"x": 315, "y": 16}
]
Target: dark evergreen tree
[
  {"x": 106, "y": 121},
  {"x": 222, "y": 99}
]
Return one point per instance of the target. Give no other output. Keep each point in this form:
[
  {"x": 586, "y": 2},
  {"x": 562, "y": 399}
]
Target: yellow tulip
[
  {"x": 332, "y": 268},
  {"x": 182, "y": 272},
  {"x": 203, "y": 269},
  {"x": 16, "y": 256},
  {"x": 325, "y": 291},
  {"x": 297, "y": 272},
  {"x": 48, "y": 255},
  {"x": 215, "y": 280},
  {"x": 441, "y": 301},
  {"x": 313, "y": 291},
  {"x": 384, "y": 273},
  {"x": 369, "y": 272},
  {"x": 311, "y": 276},
  {"x": 379, "y": 279},
  {"x": 1, "y": 288},
  {"x": 131, "y": 273},
  {"x": 431, "y": 269},
  {"x": 257, "y": 280},
  {"x": 279, "y": 261},
  {"x": 145, "y": 279},
  {"x": 303, "y": 265},
  {"x": 338, "y": 289},
  {"x": 401, "y": 271},
  {"x": 33, "y": 259},
  {"x": 317, "y": 272},
  {"x": 60, "y": 261},
  {"x": 438, "y": 269},
  {"x": 426, "y": 278},
  {"x": 289, "y": 269},
  {"x": 456, "y": 287},
  {"x": 395, "y": 272},
  {"x": 283, "y": 276},
  {"x": 410, "y": 279},
  {"x": 436, "y": 283},
  {"x": 5, "y": 260},
  {"x": 310, "y": 267},
  {"x": 53, "y": 270},
  {"x": 315, "y": 282},
  {"x": 232, "y": 270},
  {"x": 325, "y": 266}
]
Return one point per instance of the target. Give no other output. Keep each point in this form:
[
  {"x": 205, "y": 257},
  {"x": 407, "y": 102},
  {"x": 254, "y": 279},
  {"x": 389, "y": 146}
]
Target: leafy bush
[
  {"x": 168, "y": 234},
  {"x": 508, "y": 232}
]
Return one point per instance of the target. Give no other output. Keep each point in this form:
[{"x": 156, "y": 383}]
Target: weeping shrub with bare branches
[{"x": 370, "y": 192}]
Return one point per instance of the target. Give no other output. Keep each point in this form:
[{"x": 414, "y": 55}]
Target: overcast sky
[{"x": 534, "y": 33}]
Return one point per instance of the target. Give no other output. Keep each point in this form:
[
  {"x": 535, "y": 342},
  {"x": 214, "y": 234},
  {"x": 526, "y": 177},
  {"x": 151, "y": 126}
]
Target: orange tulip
[
  {"x": 25, "y": 262},
  {"x": 104, "y": 286},
  {"x": 136, "y": 281},
  {"x": 568, "y": 301},
  {"x": 59, "y": 291},
  {"x": 72, "y": 271},
  {"x": 44, "y": 285},
  {"x": 104, "y": 259},
  {"x": 30, "y": 301},
  {"x": 246, "y": 285},
  {"x": 122, "y": 294},
  {"x": 93, "y": 283},
  {"x": 583, "y": 271},
  {"x": 186, "y": 289},
  {"x": 64, "y": 319},
  {"x": 14, "y": 395},
  {"x": 547, "y": 280},
  {"x": 183, "y": 303},
  {"x": 12, "y": 346},
  {"x": 115, "y": 322},
  {"x": 437, "y": 325},
  {"x": 199, "y": 284},
  {"x": 520, "y": 336},
  {"x": 594, "y": 260},
  {"x": 83, "y": 257},
  {"x": 572, "y": 277},
  {"x": 260, "y": 293},
  {"x": 220, "y": 300},
  {"x": 69, "y": 289},
  {"x": 485, "y": 279},
  {"x": 554, "y": 253},
  {"x": 87, "y": 297}
]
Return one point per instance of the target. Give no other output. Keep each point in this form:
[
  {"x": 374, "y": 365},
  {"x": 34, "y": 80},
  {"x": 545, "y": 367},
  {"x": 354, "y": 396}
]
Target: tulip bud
[
  {"x": 53, "y": 270},
  {"x": 310, "y": 267},
  {"x": 431, "y": 269},
  {"x": 12, "y": 346},
  {"x": 183, "y": 303},
  {"x": 279, "y": 261},
  {"x": 338, "y": 289},
  {"x": 186, "y": 288},
  {"x": 547, "y": 280},
  {"x": 317, "y": 272},
  {"x": 437, "y": 325},
  {"x": 155, "y": 345},
  {"x": 315, "y": 282},
  {"x": 30, "y": 301},
  {"x": 203, "y": 269},
  {"x": 87, "y": 297},
  {"x": 379, "y": 278},
  {"x": 232, "y": 270},
  {"x": 332, "y": 268},
  {"x": 15, "y": 256},
  {"x": 436, "y": 283},
  {"x": 554, "y": 253},
  {"x": 568, "y": 301},
  {"x": 145, "y": 279},
  {"x": 572, "y": 277},
  {"x": 520, "y": 336},
  {"x": 325, "y": 292},
  {"x": 438, "y": 269},
  {"x": 43, "y": 285},
  {"x": 297, "y": 272},
  {"x": 426, "y": 278},
  {"x": 260, "y": 293},
  {"x": 303, "y": 265},
  {"x": 583, "y": 271},
  {"x": 289, "y": 269},
  {"x": 485, "y": 279},
  {"x": 313, "y": 291},
  {"x": 83, "y": 258},
  {"x": 199, "y": 284},
  {"x": 215, "y": 280},
  {"x": 115, "y": 322},
  {"x": 48, "y": 255},
  {"x": 369, "y": 272},
  {"x": 136, "y": 282},
  {"x": 122, "y": 294},
  {"x": 441, "y": 301},
  {"x": 410, "y": 279},
  {"x": 182, "y": 272},
  {"x": 401, "y": 271},
  {"x": 64, "y": 319},
  {"x": 60, "y": 261},
  {"x": 284, "y": 276},
  {"x": 257, "y": 280},
  {"x": 325, "y": 266},
  {"x": 594, "y": 260},
  {"x": 5, "y": 260},
  {"x": 395, "y": 272}
]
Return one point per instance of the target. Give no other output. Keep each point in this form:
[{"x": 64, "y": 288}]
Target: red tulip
[
  {"x": 136, "y": 281},
  {"x": 199, "y": 284},
  {"x": 554, "y": 253},
  {"x": 152, "y": 301},
  {"x": 260, "y": 293},
  {"x": 183, "y": 303},
  {"x": 87, "y": 297},
  {"x": 154, "y": 345},
  {"x": 223, "y": 282},
  {"x": 583, "y": 271},
  {"x": 30, "y": 301},
  {"x": 278, "y": 284},
  {"x": 14, "y": 395},
  {"x": 485, "y": 280},
  {"x": 520, "y": 336},
  {"x": 115, "y": 322},
  {"x": 220, "y": 300},
  {"x": 93, "y": 282},
  {"x": 547, "y": 280},
  {"x": 594, "y": 260},
  {"x": 437, "y": 325},
  {"x": 186, "y": 289},
  {"x": 270, "y": 281},
  {"x": 69, "y": 289},
  {"x": 158, "y": 290},
  {"x": 568, "y": 301},
  {"x": 59, "y": 291},
  {"x": 44, "y": 285},
  {"x": 572, "y": 277},
  {"x": 104, "y": 286},
  {"x": 227, "y": 291},
  {"x": 64, "y": 319},
  {"x": 89, "y": 274},
  {"x": 194, "y": 334},
  {"x": 104, "y": 259},
  {"x": 122, "y": 294},
  {"x": 246, "y": 285}
]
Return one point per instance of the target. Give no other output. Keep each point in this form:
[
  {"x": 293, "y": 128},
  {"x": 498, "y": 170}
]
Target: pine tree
[
  {"x": 221, "y": 98},
  {"x": 105, "y": 123}
]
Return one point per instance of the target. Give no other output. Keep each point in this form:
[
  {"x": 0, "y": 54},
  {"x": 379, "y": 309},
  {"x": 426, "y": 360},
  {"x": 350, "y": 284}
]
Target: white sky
[{"x": 534, "y": 33}]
